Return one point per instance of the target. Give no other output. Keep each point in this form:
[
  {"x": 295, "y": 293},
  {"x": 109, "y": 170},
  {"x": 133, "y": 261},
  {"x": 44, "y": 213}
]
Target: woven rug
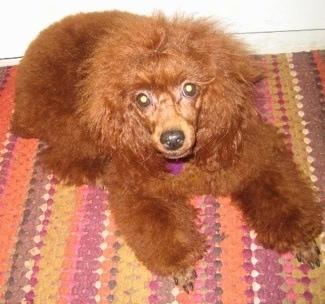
[{"x": 60, "y": 245}]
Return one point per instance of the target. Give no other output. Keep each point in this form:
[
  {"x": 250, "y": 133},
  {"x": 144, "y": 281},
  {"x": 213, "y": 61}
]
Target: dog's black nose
[{"x": 172, "y": 140}]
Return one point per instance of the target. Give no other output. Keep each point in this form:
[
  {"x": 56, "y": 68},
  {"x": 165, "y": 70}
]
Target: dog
[{"x": 120, "y": 99}]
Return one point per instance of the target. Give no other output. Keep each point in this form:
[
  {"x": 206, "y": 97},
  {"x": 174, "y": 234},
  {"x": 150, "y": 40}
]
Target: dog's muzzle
[{"x": 172, "y": 140}]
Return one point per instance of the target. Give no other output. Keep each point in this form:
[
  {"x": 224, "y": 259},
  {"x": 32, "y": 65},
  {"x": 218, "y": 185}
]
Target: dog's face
[
  {"x": 166, "y": 90},
  {"x": 171, "y": 117},
  {"x": 179, "y": 88}
]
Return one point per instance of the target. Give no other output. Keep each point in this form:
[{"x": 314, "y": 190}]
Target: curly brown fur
[{"x": 118, "y": 96}]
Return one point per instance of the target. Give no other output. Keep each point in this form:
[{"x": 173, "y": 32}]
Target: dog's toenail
[
  {"x": 312, "y": 265},
  {"x": 176, "y": 281},
  {"x": 299, "y": 257},
  {"x": 318, "y": 263},
  {"x": 191, "y": 286},
  {"x": 186, "y": 289},
  {"x": 317, "y": 250},
  {"x": 194, "y": 274}
]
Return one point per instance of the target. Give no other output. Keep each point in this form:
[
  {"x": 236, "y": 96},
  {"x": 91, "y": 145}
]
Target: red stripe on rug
[{"x": 6, "y": 95}]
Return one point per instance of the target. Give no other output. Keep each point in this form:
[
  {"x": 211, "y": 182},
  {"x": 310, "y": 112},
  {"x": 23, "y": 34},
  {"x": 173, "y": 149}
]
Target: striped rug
[{"x": 60, "y": 245}]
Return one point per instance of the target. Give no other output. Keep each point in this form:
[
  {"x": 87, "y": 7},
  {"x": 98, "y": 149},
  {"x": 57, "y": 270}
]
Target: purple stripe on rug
[
  {"x": 314, "y": 114},
  {"x": 24, "y": 270},
  {"x": 89, "y": 251},
  {"x": 263, "y": 273},
  {"x": 112, "y": 283},
  {"x": 211, "y": 227},
  {"x": 262, "y": 96},
  {"x": 4, "y": 71},
  {"x": 248, "y": 264},
  {"x": 162, "y": 291},
  {"x": 269, "y": 276},
  {"x": 7, "y": 155}
]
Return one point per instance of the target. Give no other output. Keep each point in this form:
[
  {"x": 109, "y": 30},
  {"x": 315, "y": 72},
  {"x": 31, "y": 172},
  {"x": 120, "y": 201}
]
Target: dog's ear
[
  {"x": 99, "y": 109},
  {"x": 228, "y": 110},
  {"x": 107, "y": 116},
  {"x": 95, "y": 117}
]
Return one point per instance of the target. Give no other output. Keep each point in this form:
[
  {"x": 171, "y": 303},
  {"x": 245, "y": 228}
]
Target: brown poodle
[{"x": 119, "y": 99}]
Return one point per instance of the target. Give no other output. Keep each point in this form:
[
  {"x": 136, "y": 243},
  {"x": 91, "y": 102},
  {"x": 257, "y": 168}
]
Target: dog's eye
[
  {"x": 189, "y": 89},
  {"x": 143, "y": 100}
]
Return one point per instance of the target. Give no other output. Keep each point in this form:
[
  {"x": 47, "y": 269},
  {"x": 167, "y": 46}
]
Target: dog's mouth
[{"x": 177, "y": 154}]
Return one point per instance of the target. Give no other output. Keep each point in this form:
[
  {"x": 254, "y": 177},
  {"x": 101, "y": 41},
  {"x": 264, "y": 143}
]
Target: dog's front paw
[
  {"x": 309, "y": 253},
  {"x": 185, "y": 279}
]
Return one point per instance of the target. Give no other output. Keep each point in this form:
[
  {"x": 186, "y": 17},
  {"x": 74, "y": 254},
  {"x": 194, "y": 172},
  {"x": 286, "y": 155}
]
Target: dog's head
[{"x": 177, "y": 86}]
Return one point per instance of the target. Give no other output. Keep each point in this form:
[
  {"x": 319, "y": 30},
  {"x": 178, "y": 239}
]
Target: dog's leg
[
  {"x": 75, "y": 168},
  {"x": 281, "y": 207},
  {"x": 161, "y": 232}
]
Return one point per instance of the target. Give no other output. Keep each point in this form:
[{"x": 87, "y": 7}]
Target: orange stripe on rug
[
  {"x": 13, "y": 201},
  {"x": 232, "y": 284}
]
